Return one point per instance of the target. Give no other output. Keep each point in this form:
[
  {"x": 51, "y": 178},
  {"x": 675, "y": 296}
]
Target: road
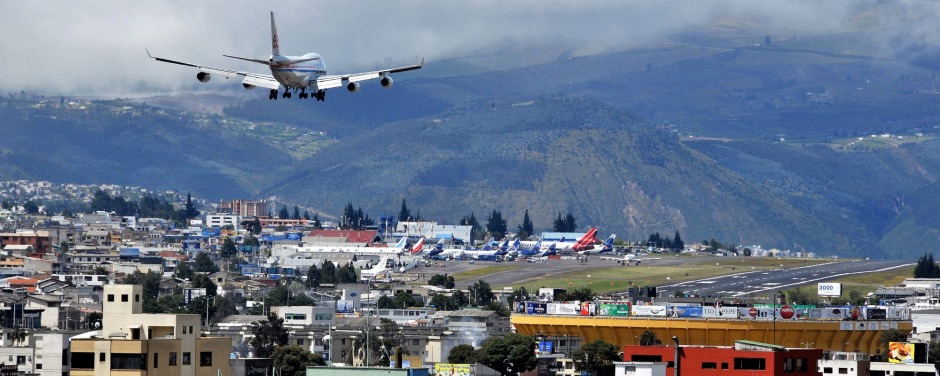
[{"x": 767, "y": 281}]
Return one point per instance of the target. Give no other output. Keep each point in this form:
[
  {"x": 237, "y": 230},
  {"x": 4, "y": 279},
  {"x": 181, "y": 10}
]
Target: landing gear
[
  {"x": 286, "y": 94},
  {"x": 320, "y": 95},
  {"x": 272, "y": 95}
]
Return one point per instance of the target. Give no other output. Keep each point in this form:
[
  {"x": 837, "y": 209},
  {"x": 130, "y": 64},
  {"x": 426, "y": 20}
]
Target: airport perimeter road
[{"x": 766, "y": 282}]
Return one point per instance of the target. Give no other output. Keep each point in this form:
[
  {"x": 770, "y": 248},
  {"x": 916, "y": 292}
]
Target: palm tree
[{"x": 648, "y": 338}]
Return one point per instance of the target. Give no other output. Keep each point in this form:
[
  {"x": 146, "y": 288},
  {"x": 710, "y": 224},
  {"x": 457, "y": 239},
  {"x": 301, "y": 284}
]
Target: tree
[
  {"x": 568, "y": 223},
  {"x": 203, "y": 264},
  {"x": 190, "y": 211},
  {"x": 328, "y": 272},
  {"x": 462, "y": 354},
  {"x": 313, "y": 277},
  {"x": 596, "y": 358},
  {"x": 799, "y": 296},
  {"x": 404, "y": 214},
  {"x": 293, "y": 360},
  {"x": 443, "y": 302},
  {"x": 283, "y": 213},
  {"x": 267, "y": 335},
  {"x": 580, "y": 293},
  {"x": 525, "y": 229},
  {"x": 200, "y": 281},
  {"x": 509, "y": 355},
  {"x": 480, "y": 293},
  {"x": 442, "y": 280},
  {"x": 296, "y": 212},
  {"x": 31, "y": 207},
  {"x": 498, "y": 307},
  {"x": 228, "y": 248},
  {"x": 891, "y": 335},
  {"x": 926, "y": 268},
  {"x": 648, "y": 338},
  {"x": 253, "y": 226},
  {"x": 476, "y": 232},
  {"x": 518, "y": 295},
  {"x": 183, "y": 270},
  {"x": 100, "y": 270},
  {"x": 496, "y": 225},
  {"x": 677, "y": 242}
]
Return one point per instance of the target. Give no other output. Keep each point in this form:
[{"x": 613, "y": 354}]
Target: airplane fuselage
[{"x": 303, "y": 74}]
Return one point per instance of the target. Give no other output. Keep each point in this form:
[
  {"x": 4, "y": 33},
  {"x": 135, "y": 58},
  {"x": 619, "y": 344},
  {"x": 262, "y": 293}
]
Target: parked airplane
[
  {"x": 514, "y": 248},
  {"x": 294, "y": 73},
  {"x": 488, "y": 254},
  {"x": 629, "y": 258},
  {"x": 380, "y": 270},
  {"x": 418, "y": 247},
  {"x": 607, "y": 246},
  {"x": 537, "y": 251}
]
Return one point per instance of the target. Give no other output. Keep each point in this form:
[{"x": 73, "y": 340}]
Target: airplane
[
  {"x": 628, "y": 258},
  {"x": 398, "y": 249},
  {"x": 486, "y": 253},
  {"x": 514, "y": 248},
  {"x": 607, "y": 246},
  {"x": 537, "y": 251},
  {"x": 437, "y": 249},
  {"x": 418, "y": 247},
  {"x": 586, "y": 241},
  {"x": 293, "y": 73}
]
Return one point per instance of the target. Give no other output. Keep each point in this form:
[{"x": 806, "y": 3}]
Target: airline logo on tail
[
  {"x": 536, "y": 249},
  {"x": 586, "y": 241},
  {"x": 503, "y": 249},
  {"x": 488, "y": 246},
  {"x": 438, "y": 248},
  {"x": 418, "y": 247}
]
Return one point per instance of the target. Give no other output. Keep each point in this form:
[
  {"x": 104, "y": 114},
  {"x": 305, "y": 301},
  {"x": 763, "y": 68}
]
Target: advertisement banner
[
  {"x": 563, "y": 308},
  {"x": 546, "y": 346},
  {"x": 588, "y": 309},
  {"x": 900, "y": 352},
  {"x": 447, "y": 369},
  {"x": 684, "y": 311},
  {"x": 615, "y": 309},
  {"x": 829, "y": 289},
  {"x": 876, "y": 313},
  {"x": 534, "y": 308},
  {"x": 720, "y": 312},
  {"x": 898, "y": 313},
  {"x": 647, "y": 311},
  {"x": 830, "y": 313},
  {"x": 345, "y": 306}
]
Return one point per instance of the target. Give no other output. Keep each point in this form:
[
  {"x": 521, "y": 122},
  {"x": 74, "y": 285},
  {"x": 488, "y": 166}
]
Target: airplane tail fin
[
  {"x": 586, "y": 240},
  {"x": 418, "y": 247},
  {"x": 487, "y": 246},
  {"x": 401, "y": 243},
  {"x": 275, "y": 49}
]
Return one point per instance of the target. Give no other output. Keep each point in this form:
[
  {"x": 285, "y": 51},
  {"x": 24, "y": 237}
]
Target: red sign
[
  {"x": 786, "y": 312},
  {"x": 752, "y": 312}
]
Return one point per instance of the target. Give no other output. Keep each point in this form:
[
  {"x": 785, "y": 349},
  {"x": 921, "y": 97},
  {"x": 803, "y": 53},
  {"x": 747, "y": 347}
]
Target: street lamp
[{"x": 676, "y": 368}]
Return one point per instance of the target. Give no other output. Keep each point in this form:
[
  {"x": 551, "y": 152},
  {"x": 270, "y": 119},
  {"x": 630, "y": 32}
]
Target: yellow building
[
  {"x": 132, "y": 343},
  {"x": 856, "y": 336}
]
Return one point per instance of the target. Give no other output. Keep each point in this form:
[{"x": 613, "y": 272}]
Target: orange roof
[{"x": 171, "y": 254}]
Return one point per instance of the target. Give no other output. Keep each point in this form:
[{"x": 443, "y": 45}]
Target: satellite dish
[
  {"x": 97, "y": 325},
  {"x": 353, "y": 294}
]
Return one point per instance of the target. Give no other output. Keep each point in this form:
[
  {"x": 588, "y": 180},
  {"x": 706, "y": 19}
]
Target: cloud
[{"x": 97, "y": 48}]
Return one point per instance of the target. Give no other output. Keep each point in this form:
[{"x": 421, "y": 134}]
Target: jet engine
[
  {"x": 386, "y": 81},
  {"x": 352, "y": 87},
  {"x": 203, "y": 77},
  {"x": 248, "y": 86}
]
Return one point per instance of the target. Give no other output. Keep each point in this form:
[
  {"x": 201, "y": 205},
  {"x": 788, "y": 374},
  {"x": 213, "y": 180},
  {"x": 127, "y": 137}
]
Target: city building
[
  {"x": 744, "y": 358},
  {"x": 131, "y": 343}
]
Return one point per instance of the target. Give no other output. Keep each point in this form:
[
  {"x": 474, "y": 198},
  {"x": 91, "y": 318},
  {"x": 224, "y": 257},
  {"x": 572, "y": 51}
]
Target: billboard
[
  {"x": 720, "y": 312},
  {"x": 345, "y": 306},
  {"x": 447, "y": 369},
  {"x": 830, "y": 313},
  {"x": 564, "y": 308},
  {"x": 829, "y": 289},
  {"x": 900, "y": 352},
  {"x": 615, "y": 309},
  {"x": 588, "y": 309},
  {"x": 644, "y": 310},
  {"x": 534, "y": 308},
  {"x": 684, "y": 311}
]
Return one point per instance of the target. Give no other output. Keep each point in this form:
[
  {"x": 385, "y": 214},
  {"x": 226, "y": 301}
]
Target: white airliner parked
[
  {"x": 398, "y": 249},
  {"x": 305, "y": 73}
]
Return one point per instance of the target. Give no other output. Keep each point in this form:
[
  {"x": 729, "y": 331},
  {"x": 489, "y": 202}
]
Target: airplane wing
[
  {"x": 331, "y": 81},
  {"x": 254, "y": 79}
]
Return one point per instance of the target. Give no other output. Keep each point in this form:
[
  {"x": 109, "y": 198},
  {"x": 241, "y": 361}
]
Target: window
[
  {"x": 20, "y": 360},
  {"x": 156, "y": 362},
  {"x": 646, "y": 358},
  {"x": 186, "y": 359},
  {"x": 65, "y": 357},
  {"x": 827, "y": 370},
  {"x": 750, "y": 363},
  {"x": 102, "y": 357},
  {"x": 83, "y": 360},
  {"x": 295, "y": 316},
  {"x": 724, "y": 365},
  {"x": 709, "y": 365},
  {"x": 88, "y": 278},
  {"x": 300, "y": 341},
  {"x": 124, "y": 298},
  {"x": 110, "y": 297},
  {"x": 191, "y": 329},
  {"x": 136, "y": 298},
  {"x": 843, "y": 371},
  {"x": 415, "y": 342},
  {"x": 173, "y": 358},
  {"x": 205, "y": 359},
  {"x": 129, "y": 361},
  {"x": 38, "y": 365},
  {"x": 184, "y": 330},
  {"x": 629, "y": 369}
]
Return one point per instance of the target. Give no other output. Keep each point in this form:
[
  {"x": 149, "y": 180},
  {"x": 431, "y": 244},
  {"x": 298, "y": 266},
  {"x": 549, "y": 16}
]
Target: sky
[{"x": 98, "y": 47}]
